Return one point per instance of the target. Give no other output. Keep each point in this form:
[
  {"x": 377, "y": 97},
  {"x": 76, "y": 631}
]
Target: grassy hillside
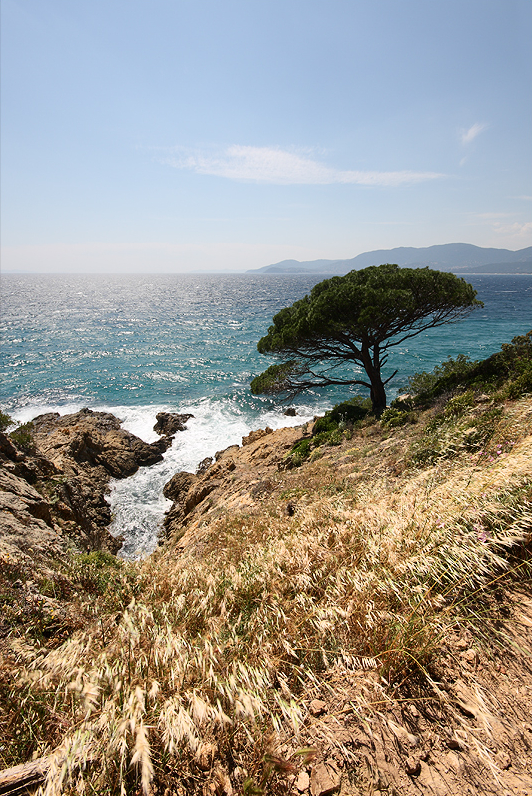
[{"x": 363, "y": 626}]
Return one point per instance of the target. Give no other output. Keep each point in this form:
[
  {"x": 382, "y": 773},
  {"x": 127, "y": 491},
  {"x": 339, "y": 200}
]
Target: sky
[{"x": 190, "y": 135}]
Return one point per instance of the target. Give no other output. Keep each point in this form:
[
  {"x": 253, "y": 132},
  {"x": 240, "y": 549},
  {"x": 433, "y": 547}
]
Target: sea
[{"x": 135, "y": 345}]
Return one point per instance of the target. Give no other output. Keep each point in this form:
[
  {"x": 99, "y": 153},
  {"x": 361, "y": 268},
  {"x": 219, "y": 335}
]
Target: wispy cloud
[
  {"x": 469, "y": 135},
  {"x": 517, "y": 229},
  {"x": 281, "y": 167},
  {"x": 492, "y": 216}
]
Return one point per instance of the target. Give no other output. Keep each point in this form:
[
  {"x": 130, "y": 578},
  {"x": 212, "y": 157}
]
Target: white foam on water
[
  {"x": 29, "y": 412},
  {"x": 137, "y": 502}
]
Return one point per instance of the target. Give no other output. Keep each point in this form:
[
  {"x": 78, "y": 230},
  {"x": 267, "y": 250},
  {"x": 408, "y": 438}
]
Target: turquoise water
[{"x": 135, "y": 345}]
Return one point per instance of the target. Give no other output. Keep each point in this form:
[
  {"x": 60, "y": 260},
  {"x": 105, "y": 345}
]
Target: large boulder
[
  {"x": 87, "y": 439},
  {"x": 169, "y": 423}
]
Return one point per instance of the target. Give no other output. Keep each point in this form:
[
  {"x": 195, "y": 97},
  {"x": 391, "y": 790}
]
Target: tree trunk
[
  {"x": 377, "y": 392},
  {"x": 378, "y": 396}
]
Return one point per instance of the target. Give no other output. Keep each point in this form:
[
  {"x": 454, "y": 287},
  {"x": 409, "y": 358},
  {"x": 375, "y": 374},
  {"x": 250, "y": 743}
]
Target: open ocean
[{"x": 136, "y": 345}]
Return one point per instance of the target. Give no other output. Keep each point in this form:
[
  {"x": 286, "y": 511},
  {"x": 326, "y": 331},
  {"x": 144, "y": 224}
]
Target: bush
[
  {"x": 321, "y": 438},
  {"x": 443, "y": 378},
  {"x": 515, "y": 388},
  {"x": 5, "y": 420},
  {"x": 350, "y": 411},
  {"x": 335, "y": 437},
  {"x": 508, "y": 370},
  {"x": 344, "y": 415},
  {"x": 459, "y": 404},
  {"x": 394, "y": 416},
  {"x": 23, "y": 437}
]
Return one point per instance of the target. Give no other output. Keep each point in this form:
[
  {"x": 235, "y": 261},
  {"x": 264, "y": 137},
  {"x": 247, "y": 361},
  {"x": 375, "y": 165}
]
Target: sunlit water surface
[{"x": 136, "y": 345}]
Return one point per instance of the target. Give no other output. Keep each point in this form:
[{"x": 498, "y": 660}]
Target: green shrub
[
  {"x": 23, "y": 436},
  {"x": 459, "y": 404},
  {"x": 350, "y": 411},
  {"x": 335, "y": 437},
  {"x": 509, "y": 371},
  {"x": 343, "y": 415},
  {"x": 321, "y": 438},
  {"x": 5, "y": 420},
  {"x": 393, "y": 417},
  {"x": 323, "y": 425},
  {"x": 443, "y": 378},
  {"x": 300, "y": 452},
  {"x": 517, "y": 387}
]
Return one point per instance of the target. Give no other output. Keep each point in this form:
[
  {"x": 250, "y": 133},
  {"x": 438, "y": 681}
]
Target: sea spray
[{"x": 137, "y": 503}]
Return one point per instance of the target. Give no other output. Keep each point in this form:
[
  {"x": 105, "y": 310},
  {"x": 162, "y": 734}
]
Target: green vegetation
[
  {"x": 355, "y": 320},
  {"x": 5, "y": 421},
  {"x": 275, "y": 379},
  {"x": 506, "y": 374},
  {"x": 22, "y": 436},
  {"x": 330, "y": 430},
  {"x": 508, "y": 370}
]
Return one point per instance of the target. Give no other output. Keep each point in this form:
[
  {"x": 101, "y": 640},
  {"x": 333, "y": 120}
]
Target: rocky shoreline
[
  {"x": 53, "y": 494},
  {"x": 53, "y": 490}
]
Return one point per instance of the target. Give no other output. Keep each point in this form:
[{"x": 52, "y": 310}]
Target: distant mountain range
[{"x": 460, "y": 258}]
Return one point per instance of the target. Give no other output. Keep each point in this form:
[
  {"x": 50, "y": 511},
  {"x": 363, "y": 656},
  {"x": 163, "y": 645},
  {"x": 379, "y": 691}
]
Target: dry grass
[{"x": 205, "y": 678}]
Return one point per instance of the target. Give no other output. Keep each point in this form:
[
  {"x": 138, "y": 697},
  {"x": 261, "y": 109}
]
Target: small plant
[
  {"x": 300, "y": 452},
  {"x": 96, "y": 572},
  {"x": 459, "y": 404},
  {"x": 322, "y": 438},
  {"x": 23, "y": 437},
  {"x": 5, "y": 421},
  {"x": 395, "y": 416},
  {"x": 335, "y": 437}
]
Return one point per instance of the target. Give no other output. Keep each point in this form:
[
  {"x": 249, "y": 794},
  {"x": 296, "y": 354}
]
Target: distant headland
[{"x": 460, "y": 258}]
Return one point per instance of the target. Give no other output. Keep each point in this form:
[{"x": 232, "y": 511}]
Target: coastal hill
[
  {"x": 339, "y": 608},
  {"x": 460, "y": 258}
]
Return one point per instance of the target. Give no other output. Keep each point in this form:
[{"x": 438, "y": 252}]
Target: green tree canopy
[{"x": 356, "y": 319}]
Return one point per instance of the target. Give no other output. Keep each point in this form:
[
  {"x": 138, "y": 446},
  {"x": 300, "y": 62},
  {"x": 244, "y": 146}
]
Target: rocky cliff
[
  {"x": 236, "y": 480},
  {"x": 52, "y": 491}
]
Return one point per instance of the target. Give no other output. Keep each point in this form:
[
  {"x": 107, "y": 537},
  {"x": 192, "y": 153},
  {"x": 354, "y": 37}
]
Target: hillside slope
[{"x": 347, "y": 611}]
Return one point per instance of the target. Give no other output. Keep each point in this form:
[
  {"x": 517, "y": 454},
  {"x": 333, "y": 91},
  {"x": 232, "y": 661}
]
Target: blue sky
[{"x": 181, "y": 135}]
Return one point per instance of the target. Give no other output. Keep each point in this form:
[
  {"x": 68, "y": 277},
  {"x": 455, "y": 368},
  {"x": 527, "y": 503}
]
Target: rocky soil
[{"x": 237, "y": 479}]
